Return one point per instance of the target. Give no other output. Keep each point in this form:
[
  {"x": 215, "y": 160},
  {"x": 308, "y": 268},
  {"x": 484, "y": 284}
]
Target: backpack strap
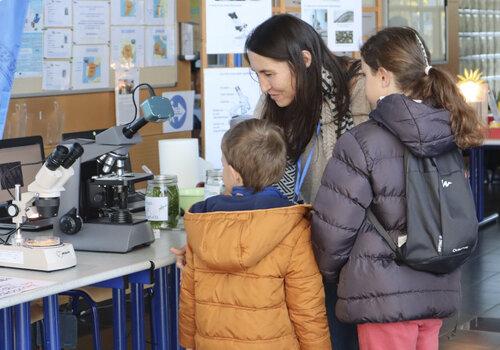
[{"x": 385, "y": 235}]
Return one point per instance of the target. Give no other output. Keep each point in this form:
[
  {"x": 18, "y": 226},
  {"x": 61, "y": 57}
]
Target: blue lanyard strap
[{"x": 301, "y": 173}]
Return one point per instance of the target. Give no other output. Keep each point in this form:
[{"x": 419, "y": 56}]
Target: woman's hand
[{"x": 180, "y": 256}]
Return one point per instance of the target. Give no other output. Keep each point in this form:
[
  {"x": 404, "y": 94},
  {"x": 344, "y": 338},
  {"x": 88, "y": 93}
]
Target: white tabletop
[{"x": 93, "y": 267}]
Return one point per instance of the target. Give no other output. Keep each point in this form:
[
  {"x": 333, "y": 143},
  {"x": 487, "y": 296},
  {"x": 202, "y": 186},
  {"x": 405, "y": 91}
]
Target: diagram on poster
[
  {"x": 91, "y": 22},
  {"x": 58, "y": 13},
  {"x": 229, "y": 92},
  {"x": 338, "y": 22},
  {"x": 127, "y": 12},
  {"x": 160, "y": 46},
  {"x": 229, "y": 23},
  {"x": 183, "y": 104},
  {"x": 90, "y": 67},
  {"x": 56, "y": 75},
  {"x": 160, "y": 12},
  {"x": 127, "y": 47}
]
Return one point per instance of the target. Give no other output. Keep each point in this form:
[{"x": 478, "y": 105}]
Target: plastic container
[{"x": 189, "y": 196}]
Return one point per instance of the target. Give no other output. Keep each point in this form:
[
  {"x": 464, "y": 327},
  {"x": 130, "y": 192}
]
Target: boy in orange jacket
[{"x": 250, "y": 280}]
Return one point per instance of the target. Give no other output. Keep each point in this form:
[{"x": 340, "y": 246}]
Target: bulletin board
[
  {"x": 81, "y": 110},
  {"x": 45, "y": 26}
]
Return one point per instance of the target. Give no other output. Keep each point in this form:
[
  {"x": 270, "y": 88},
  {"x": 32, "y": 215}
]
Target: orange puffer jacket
[{"x": 251, "y": 282}]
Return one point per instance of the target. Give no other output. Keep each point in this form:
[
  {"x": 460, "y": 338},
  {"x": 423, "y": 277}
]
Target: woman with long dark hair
[{"x": 314, "y": 95}]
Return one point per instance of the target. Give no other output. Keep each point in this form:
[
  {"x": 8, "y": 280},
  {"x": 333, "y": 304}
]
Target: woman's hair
[
  {"x": 256, "y": 149},
  {"x": 402, "y": 51},
  {"x": 283, "y": 38}
]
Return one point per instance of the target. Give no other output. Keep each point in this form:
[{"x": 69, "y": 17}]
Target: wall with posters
[{"x": 95, "y": 108}]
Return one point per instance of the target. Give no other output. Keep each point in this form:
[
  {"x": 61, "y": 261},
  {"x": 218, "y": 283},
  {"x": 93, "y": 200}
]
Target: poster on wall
[
  {"x": 229, "y": 92},
  {"x": 229, "y": 23},
  {"x": 58, "y": 13},
  {"x": 125, "y": 82},
  {"x": 90, "y": 67},
  {"x": 160, "y": 12},
  {"x": 56, "y": 75},
  {"x": 127, "y": 47},
  {"x": 338, "y": 22},
  {"x": 160, "y": 47},
  {"x": 57, "y": 43},
  {"x": 34, "y": 17},
  {"x": 125, "y": 12},
  {"x": 30, "y": 56},
  {"x": 183, "y": 104},
  {"x": 91, "y": 22}
]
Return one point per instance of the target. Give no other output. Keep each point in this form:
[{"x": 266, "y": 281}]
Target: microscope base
[
  {"x": 38, "y": 258},
  {"x": 114, "y": 238}
]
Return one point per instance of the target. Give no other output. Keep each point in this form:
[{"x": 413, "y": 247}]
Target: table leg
[
  {"x": 159, "y": 311},
  {"x": 51, "y": 323},
  {"x": 22, "y": 326},
  {"x": 119, "y": 320},
  {"x": 6, "y": 331},
  {"x": 137, "y": 300}
]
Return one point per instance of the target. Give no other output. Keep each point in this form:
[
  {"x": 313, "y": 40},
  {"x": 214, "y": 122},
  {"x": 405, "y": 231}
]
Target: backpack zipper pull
[{"x": 440, "y": 244}]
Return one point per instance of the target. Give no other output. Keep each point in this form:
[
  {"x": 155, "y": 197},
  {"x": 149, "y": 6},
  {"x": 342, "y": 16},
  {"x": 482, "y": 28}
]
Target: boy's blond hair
[{"x": 256, "y": 149}]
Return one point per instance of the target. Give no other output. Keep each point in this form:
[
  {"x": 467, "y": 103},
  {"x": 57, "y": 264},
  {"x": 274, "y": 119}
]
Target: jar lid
[
  {"x": 214, "y": 172},
  {"x": 163, "y": 177}
]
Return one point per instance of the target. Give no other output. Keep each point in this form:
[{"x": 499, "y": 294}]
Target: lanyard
[{"x": 301, "y": 173}]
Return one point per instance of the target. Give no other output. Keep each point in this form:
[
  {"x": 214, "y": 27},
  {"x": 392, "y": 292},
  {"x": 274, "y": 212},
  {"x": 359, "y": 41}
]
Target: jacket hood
[
  {"x": 425, "y": 130},
  {"x": 236, "y": 240}
]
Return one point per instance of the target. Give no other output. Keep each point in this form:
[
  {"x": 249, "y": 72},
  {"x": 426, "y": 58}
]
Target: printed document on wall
[
  {"x": 127, "y": 47},
  {"x": 125, "y": 82},
  {"x": 91, "y": 22},
  {"x": 339, "y": 22},
  {"x": 90, "y": 67},
  {"x": 127, "y": 12},
  {"x": 57, "y": 43},
  {"x": 34, "y": 17},
  {"x": 30, "y": 57},
  {"x": 229, "y": 92},
  {"x": 58, "y": 13},
  {"x": 160, "y": 46},
  {"x": 160, "y": 12},
  {"x": 56, "y": 75},
  {"x": 183, "y": 104},
  {"x": 229, "y": 23}
]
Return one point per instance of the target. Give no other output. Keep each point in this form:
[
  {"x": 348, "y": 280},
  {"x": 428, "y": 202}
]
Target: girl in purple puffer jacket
[{"x": 418, "y": 107}]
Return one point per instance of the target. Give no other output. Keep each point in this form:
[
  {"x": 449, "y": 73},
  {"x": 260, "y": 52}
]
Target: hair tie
[{"x": 427, "y": 69}]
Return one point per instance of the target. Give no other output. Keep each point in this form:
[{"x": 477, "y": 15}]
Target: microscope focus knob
[
  {"x": 12, "y": 210},
  {"x": 70, "y": 223}
]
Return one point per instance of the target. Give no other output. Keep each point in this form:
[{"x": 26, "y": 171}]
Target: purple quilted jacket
[{"x": 366, "y": 169}]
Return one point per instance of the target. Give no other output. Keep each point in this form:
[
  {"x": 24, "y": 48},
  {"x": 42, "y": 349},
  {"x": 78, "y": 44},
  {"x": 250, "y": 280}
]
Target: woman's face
[{"x": 275, "y": 78}]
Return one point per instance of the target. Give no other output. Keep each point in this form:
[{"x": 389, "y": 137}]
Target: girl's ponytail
[{"x": 440, "y": 90}]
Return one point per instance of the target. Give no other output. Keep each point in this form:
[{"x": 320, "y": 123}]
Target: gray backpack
[{"x": 441, "y": 227}]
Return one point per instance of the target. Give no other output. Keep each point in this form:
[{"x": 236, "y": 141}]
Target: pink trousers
[{"x": 407, "y": 335}]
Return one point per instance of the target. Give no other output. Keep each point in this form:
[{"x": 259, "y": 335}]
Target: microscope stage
[{"x": 43, "y": 258}]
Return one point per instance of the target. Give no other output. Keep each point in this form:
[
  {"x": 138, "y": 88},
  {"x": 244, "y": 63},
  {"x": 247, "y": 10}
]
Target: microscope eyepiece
[
  {"x": 75, "y": 153},
  {"x": 57, "y": 157}
]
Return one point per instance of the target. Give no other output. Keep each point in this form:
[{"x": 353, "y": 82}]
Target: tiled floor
[{"x": 477, "y": 325}]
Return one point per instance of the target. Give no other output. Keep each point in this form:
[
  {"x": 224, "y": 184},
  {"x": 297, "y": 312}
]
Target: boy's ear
[{"x": 235, "y": 175}]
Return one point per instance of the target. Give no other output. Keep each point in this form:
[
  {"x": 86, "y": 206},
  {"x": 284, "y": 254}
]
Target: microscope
[
  {"x": 93, "y": 214},
  {"x": 44, "y": 253}
]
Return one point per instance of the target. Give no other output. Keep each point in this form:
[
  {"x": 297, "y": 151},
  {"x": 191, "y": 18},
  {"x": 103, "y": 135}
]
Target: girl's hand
[{"x": 180, "y": 255}]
